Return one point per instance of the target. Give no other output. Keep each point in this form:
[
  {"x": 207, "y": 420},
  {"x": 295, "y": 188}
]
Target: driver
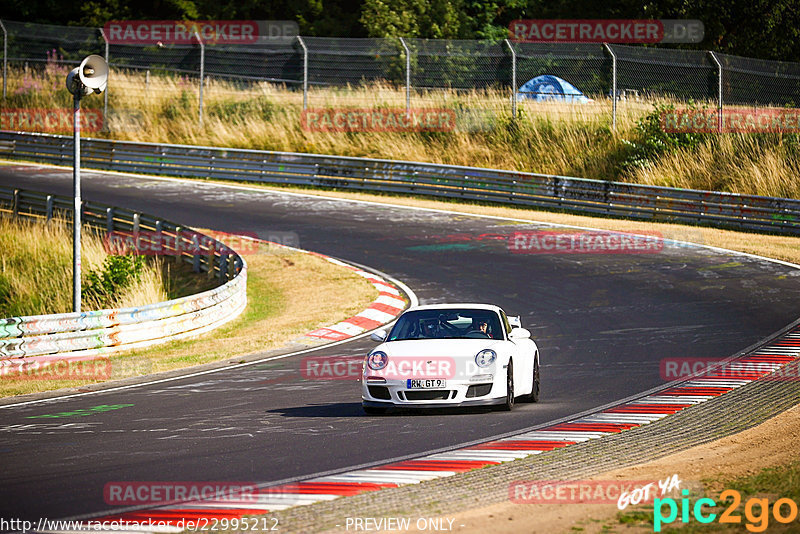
[{"x": 482, "y": 326}]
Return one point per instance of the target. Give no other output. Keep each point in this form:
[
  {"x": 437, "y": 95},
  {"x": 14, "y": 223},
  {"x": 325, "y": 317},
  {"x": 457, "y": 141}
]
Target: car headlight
[
  {"x": 485, "y": 358},
  {"x": 377, "y": 360}
]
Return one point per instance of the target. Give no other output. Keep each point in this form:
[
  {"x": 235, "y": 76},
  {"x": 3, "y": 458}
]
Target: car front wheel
[{"x": 508, "y": 405}]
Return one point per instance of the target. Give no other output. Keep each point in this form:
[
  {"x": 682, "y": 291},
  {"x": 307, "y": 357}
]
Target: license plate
[{"x": 433, "y": 383}]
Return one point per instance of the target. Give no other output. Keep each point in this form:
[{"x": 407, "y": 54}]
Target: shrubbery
[
  {"x": 103, "y": 285},
  {"x": 651, "y": 142}
]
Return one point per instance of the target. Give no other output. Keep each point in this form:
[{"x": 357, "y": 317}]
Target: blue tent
[{"x": 550, "y": 88}]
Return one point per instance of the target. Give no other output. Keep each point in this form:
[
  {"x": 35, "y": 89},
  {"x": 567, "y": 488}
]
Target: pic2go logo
[{"x": 756, "y": 511}]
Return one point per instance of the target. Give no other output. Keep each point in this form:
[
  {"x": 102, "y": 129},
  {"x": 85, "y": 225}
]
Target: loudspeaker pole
[
  {"x": 90, "y": 76},
  {"x": 76, "y": 213}
]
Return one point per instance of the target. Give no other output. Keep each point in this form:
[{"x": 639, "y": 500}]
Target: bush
[
  {"x": 177, "y": 108},
  {"x": 651, "y": 141},
  {"x": 117, "y": 272}
]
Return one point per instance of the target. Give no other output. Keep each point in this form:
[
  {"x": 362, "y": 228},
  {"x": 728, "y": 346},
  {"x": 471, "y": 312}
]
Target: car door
[{"x": 522, "y": 355}]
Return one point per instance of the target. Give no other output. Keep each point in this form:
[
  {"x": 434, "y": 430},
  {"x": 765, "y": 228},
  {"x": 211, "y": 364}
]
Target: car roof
[{"x": 473, "y": 306}]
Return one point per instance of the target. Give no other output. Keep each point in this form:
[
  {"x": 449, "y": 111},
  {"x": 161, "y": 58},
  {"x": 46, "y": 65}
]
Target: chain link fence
[
  {"x": 410, "y": 73},
  {"x": 759, "y": 82},
  {"x": 679, "y": 74}
]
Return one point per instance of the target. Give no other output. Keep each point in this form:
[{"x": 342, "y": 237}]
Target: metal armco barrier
[
  {"x": 747, "y": 212},
  {"x": 78, "y": 335}
]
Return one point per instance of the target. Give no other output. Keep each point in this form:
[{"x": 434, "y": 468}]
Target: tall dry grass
[
  {"x": 36, "y": 269},
  {"x": 741, "y": 163},
  {"x": 553, "y": 138}
]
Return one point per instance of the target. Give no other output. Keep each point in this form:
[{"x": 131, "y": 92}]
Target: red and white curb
[
  {"x": 384, "y": 309},
  {"x": 671, "y": 399}
]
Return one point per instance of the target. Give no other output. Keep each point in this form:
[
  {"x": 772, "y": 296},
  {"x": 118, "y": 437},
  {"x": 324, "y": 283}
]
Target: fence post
[
  {"x": 223, "y": 266},
  {"x": 178, "y": 244},
  {"x": 202, "y": 69},
  {"x": 408, "y": 75},
  {"x": 105, "y": 93},
  {"x": 719, "y": 90},
  {"x": 5, "y": 59},
  {"x": 305, "y": 72},
  {"x": 613, "y": 86},
  {"x": 49, "y": 207},
  {"x": 513, "y": 79}
]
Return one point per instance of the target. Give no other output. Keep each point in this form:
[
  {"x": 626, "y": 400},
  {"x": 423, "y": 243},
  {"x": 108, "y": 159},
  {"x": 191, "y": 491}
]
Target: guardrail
[
  {"x": 86, "y": 334},
  {"x": 748, "y": 212}
]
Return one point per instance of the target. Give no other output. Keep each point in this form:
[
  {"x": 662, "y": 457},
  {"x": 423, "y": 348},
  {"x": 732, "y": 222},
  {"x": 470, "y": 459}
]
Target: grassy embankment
[
  {"x": 36, "y": 272},
  {"x": 572, "y": 140}
]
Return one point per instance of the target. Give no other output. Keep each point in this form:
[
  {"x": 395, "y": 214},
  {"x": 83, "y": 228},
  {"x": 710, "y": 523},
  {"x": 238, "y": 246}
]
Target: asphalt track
[{"x": 603, "y": 323}]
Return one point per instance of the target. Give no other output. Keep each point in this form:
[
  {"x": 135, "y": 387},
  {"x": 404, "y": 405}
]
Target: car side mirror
[
  {"x": 515, "y": 321},
  {"x": 519, "y": 333},
  {"x": 378, "y": 336}
]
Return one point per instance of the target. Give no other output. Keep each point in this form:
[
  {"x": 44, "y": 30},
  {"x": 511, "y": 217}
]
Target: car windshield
[{"x": 447, "y": 324}]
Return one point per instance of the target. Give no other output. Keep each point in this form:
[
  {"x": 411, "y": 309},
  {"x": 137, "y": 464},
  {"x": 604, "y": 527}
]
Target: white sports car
[{"x": 448, "y": 355}]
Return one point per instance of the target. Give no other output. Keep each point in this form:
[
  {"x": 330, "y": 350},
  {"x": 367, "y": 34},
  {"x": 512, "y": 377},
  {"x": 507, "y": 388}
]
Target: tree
[
  {"x": 768, "y": 29},
  {"x": 437, "y": 19}
]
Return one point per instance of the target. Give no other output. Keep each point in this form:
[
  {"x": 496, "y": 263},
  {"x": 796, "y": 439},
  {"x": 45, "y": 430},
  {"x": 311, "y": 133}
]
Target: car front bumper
[{"x": 456, "y": 393}]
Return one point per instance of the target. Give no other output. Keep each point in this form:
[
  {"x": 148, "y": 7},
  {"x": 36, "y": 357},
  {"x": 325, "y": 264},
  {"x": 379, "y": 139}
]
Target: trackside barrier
[
  {"x": 77, "y": 335},
  {"x": 747, "y": 212}
]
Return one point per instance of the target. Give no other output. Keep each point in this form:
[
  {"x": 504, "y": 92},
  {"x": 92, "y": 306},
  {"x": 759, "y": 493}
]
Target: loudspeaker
[{"x": 91, "y": 75}]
